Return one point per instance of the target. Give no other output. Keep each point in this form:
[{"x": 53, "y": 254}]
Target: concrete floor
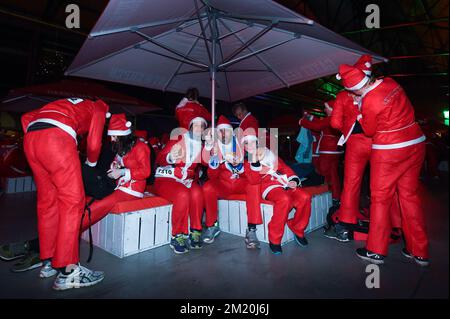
[{"x": 226, "y": 269}]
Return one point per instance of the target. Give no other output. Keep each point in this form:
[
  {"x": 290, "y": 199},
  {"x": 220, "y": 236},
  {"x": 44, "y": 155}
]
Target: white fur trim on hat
[
  {"x": 249, "y": 138},
  {"x": 359, "y": 85},
  {"x": 338, "y": 76},
  {"x": 224, "y": 127},
  {"x": 198, "y": 118},
  {"x": 108, "y": 115},
  {"x": 119, "y": 133}
]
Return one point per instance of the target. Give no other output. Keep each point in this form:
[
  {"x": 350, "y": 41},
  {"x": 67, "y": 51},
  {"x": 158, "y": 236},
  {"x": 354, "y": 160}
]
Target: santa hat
[
  {"x": 352, "y": 78},
  {"x": 142, "y": 134},
  {"x": 364, "y": 64},
  {"x": 249, "y": 135},
  {"x": 164, "y": 138},
  {"x": 153, "y": 141},
  {"x": 223, "y": 123},
  {"x": 190, "y": 113},
  {"x": 329, "y": 105},
  {"x": 118, "y": 125},
  {"x": 103, "y": 107}
]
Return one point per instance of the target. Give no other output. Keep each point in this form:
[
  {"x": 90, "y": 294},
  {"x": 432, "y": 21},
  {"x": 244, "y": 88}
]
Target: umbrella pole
[{"x": 214, "y": 39}]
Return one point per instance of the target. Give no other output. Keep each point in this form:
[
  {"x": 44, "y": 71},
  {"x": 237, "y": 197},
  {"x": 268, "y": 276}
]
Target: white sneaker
[
  {"x": 47, "y": 270},
  {"x": 80, "y": 277}
]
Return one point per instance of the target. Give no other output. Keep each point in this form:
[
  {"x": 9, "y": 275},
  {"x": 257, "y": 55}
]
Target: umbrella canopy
[
  {"x": 35, "y": 96},
  {"x": 228, "y": 49}
]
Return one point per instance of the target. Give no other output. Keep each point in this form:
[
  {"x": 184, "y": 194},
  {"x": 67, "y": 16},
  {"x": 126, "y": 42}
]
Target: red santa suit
[
  {"x": 226, "y": 178},
  {"x": 398, "y": 151},
  {"x": 50, "y": 145},
  {"x": 134, "y": 167},
  {"x": 175, "y": 179},
  {"x": 328, "y": 151},
  {"x": 247, "y": 127},
  {"x": 274, "y": 176}
]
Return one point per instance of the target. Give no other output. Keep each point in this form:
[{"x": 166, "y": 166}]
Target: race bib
[{"x": 165, "y": 171}]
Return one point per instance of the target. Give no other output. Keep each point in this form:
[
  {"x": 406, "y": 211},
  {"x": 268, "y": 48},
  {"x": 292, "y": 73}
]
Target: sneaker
[
  {"x": 419, "y": 260},
  {"x": 374, "y": 258},
  {"x": 301, "y": 241},
  {"x": 195, "y": 240},
  {"x": 211, "y": 233},
  {"x": 251, "y": 240},
  {"x": 337, "y": 232},
  {"x": 80, "y": 277},
  {"x": 28, "y": 262},
  {"x": 178, "y": 244},
  {"x": 407, "y": 254},
  {"x": 275, "y": 249},
  {"x": 47, "y": 270},
  {"x": 13, "y": 251}
]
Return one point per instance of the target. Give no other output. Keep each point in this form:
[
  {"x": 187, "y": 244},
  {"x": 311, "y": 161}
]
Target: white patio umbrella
[{"x": 228, "y": 49}]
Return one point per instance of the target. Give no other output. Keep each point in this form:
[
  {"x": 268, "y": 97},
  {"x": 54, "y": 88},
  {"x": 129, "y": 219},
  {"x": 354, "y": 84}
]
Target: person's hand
[
  {"x": 260, "y": 153},
  {"x": 116, "y": 173},
  {"x": 177, "y": 152}
]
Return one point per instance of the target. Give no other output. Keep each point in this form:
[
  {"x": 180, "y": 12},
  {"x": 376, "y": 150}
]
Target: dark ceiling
[{"x": 36, "y": 47}]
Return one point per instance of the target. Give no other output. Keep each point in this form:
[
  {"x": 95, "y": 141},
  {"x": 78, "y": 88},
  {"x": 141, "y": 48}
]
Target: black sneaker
[
  {"x": 276, "y": 249},
  {"x": 419, "y": 260},
  {"x": 195, "y": 240},
  {"x": 407, "y": 254},
  {"x": 374, "y": 258},
  {"x": 301, "y": 241},
  {"x": 337, "y": 232}
]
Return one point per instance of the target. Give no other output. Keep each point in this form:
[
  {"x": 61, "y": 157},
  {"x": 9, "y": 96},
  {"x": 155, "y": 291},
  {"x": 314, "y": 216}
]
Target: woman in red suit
[{"x": 175, "y": 178}]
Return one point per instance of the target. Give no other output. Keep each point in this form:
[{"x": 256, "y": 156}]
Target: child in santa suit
[
  {"x": 226, "y": 177},
  {"x": 130, "y": 168},
  {"x": 327, "y": 149},
  {"x": 280, "y": 185},
  {"x": 398, "y": 151},
  {"x": 50, "y": 145},
  {"x": 175, "y": 178}
]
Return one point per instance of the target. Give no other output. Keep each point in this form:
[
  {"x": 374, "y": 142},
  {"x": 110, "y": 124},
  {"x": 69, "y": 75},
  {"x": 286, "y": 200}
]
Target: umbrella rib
[
  {"x": 181, "y": 63},
  {"x": 199, "y": 65},
  {"x": 203, "y": 30},
  {"x": 151, "y": 40},
  {"x": 258, "y": 57},
  {"x": 266, "y": 18}
]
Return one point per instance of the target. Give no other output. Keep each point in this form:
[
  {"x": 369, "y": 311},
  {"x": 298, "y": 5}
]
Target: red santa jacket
[
  {"x": 271, "y": 172},
  {"x": 137, "y": 168},
  {"x": 388, "y": 116},
  {"x": 75, "y": 117},
  {"x": 328, "y": 139},
  {"x": 344, "y": 115},
  {"x": 182, "y": 171}
]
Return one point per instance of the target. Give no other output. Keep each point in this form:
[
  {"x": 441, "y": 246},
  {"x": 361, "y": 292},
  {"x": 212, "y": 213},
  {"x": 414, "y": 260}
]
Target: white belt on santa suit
[
  {"x": 398, "y": 145},
  {"x": 128, "y": 189},
  {"x": 169, "y": 172}
]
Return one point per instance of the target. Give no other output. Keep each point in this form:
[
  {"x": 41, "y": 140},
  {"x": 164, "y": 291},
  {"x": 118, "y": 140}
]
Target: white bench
[
  {"x": 133, "y": 227},
  {"x": 233, "y": 216}
]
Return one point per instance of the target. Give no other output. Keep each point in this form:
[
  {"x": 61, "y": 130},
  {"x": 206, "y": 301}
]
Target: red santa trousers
[
  {"x": 187, "y": 209},
  {"x": 283, "y": 201},
  {"x": 100, "y": 208},
  {"x": 391, "y": 170},
  {"x": 328, "y": 167},
  {"x": 216, "y": 189},
  {"x": 357, "y": 156},
  {"x": 53, "y": 158}
]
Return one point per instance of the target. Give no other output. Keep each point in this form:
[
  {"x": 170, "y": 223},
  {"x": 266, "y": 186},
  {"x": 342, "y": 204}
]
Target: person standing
[
  {"x": 398, "y": 152},
  {"x": 50, "y": 145}
]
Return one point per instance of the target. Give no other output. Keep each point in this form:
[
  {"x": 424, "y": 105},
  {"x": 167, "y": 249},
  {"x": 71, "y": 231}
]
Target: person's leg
[
  {"x": 357, "y": 155},
  {"x": 385, "y": 172},
  {"x": 47, "y": 208},
  {"x": 252, "y": 201},
  {"x": 302, "y": 205},
  {"x": 211, "y": 191},
  {"x": 333, "y": 174},
  {"x": 196, "y": 206},
  {"x": 413, "y": 220},
  {"x": 283, "y": 203},
  {"x": 100, "y": 208}
]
